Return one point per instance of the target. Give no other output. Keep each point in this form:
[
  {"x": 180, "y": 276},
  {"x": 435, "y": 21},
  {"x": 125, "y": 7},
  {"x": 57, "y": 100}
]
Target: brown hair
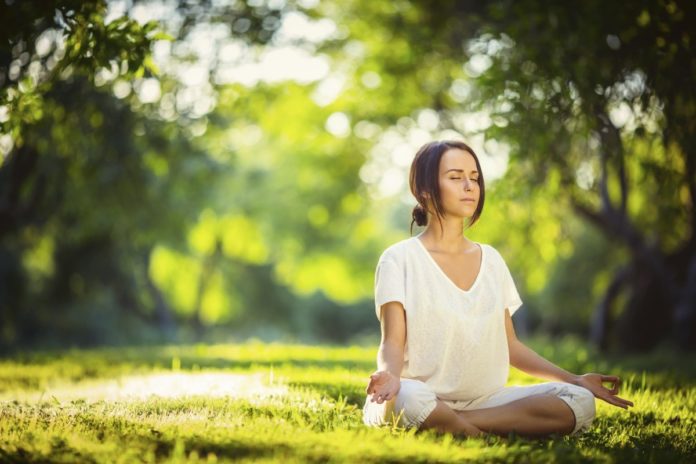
[{"x": 424, "y": 178}]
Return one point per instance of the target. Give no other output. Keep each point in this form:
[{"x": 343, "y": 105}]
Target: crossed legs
[
  {"x": 533, "y": 416},
  {"x": 531, "y": 411}
]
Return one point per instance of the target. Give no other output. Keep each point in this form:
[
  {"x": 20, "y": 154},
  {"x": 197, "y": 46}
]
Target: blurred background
[{"x": 179, "y": 171}]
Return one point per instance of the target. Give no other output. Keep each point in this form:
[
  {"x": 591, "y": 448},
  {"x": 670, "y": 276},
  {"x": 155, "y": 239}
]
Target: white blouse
[{"x": 455, "y": 339}]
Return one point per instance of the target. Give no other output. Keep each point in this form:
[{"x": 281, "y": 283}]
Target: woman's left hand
[{"x": 593, "y": 382}]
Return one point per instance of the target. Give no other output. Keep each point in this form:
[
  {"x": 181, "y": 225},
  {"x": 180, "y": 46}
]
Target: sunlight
[
  {"x": 387, "y": 169},
  {"x": 162, "y": 385}
]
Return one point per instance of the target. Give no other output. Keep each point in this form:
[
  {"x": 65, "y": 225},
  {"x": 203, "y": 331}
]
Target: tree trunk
[
  {"x": 163, "y": 313},
  {"x": 602, "y": 323},
  {"x": 19, "y": 166},
  {"x": 684, "y": 320},
  {"x": 209, "y": 266},
  {"x": 646, "y": 319},
  {"x": 654, "y": 281},
  {"x": 656, "y": 284}
]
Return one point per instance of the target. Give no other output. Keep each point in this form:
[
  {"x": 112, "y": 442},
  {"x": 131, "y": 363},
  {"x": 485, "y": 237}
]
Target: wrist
[{"x": 389, "y": 371}]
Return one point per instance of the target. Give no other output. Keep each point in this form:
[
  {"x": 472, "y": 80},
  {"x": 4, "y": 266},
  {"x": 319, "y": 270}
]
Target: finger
[
  {"x": 615, "y": 381},
  {"x": 616, "y": 401},
  {"x": 612, "y": 401},
  {"x": 368, "y": 390},
  {"x": 624, "y": 401},
  {"x": 610, "y": 391},
  {"x": 607, "y": 398},
  {"x": 387, "y": 395},
  {"x": 376, "y": 394}
]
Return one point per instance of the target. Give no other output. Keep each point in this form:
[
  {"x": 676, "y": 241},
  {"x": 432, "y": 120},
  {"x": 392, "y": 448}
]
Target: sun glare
[{"x": 163, "y": 385}]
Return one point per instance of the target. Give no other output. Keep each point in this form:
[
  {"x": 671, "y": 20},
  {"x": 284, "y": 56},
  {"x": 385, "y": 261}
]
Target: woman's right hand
[{"x": 383, "y": 386}]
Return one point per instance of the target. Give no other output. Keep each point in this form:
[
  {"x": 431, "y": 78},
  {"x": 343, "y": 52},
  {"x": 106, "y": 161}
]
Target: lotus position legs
[{"x": 533, "y": 416}]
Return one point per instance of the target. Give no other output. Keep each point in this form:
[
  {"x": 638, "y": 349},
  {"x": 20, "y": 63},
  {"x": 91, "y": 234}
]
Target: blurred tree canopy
[
  {"x": 146, "y": 188},
  {"x": 596, "y": 104},
  {"x": 125, "y": 217}
]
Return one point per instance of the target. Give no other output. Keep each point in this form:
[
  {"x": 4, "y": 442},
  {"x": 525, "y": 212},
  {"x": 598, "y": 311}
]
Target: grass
[{"x": 257, "y": 402}]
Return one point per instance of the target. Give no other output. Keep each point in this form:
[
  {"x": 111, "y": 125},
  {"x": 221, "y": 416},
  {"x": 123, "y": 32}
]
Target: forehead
[{"x": 456, "y": 158}]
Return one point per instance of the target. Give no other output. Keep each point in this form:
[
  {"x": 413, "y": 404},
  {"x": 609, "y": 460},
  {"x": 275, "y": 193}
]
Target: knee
[
  {"x": 414, "y": 402},
  {"x": 411, "y": 406},
  {"x": 587, "y": 400},
  {"x": 585, "y": 409}
]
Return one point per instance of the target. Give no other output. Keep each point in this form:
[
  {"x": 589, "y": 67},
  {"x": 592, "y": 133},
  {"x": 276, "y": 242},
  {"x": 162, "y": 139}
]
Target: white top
[{"x": 455, "y": 339}]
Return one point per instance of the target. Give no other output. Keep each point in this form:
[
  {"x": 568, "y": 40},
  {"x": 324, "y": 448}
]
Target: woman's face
[{"x": 459, "y": 187}]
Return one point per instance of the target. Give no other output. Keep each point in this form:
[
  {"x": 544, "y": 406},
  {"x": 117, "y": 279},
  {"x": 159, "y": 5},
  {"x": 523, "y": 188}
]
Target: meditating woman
[{"x": 445, "y": 305}]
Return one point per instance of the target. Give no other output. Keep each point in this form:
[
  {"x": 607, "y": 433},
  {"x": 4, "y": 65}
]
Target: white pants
[{"x": 415, "y": 401}]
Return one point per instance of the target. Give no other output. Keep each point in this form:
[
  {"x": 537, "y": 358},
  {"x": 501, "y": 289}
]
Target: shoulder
[
  {"x": 490, "y": 249},
  {"x": 398, "y": 251},
  {"x": 493, "y": 253},
  {"x": 497, "y": 261}
]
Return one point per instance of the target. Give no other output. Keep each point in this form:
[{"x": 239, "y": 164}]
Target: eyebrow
[{"x": 461, "y": 170}]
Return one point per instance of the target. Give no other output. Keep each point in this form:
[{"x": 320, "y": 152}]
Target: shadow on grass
[
  {"x": 336, "y": 391},
  {"x": 94, "y": 362},
  {"x": 60, "y": 451}
]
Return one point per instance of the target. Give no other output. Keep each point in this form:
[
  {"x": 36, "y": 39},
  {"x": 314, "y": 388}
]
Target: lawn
[{"x": 257, "y": 402}]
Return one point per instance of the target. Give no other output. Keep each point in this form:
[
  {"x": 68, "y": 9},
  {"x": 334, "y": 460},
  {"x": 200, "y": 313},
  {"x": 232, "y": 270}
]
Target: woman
[{"x": 445, "y": 305}]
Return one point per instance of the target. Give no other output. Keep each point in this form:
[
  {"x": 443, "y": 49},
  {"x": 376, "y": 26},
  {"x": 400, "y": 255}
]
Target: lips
[{"x": 468, "y": 199}]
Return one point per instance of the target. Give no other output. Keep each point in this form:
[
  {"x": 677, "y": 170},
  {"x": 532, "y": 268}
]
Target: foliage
[
  {"x": 135, "y": 205},
  {"x": 125, "y": 218},
  {"x": 591, "y": 105},
  {"x": 42, "y": 44}
]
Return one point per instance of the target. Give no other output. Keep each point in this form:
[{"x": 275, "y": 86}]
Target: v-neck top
[
  {"x": 455, "y": 338},
  {"x": 445, "y": 276}
]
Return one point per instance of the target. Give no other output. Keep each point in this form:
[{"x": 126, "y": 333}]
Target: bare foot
[{"x": 470, "y": 430}]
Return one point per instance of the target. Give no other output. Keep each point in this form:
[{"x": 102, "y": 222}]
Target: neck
[{"x": 450, "y": 238}]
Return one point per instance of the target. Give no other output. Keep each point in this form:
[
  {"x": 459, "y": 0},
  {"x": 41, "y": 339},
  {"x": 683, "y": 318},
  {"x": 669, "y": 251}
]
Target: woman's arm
[
  {"x": 386, "y": 381},
  {"x": 390, "y": 356},
  {"x": 527, "y": 360}
]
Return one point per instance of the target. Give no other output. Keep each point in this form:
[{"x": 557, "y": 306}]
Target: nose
[{"x": 467, "y": 184}]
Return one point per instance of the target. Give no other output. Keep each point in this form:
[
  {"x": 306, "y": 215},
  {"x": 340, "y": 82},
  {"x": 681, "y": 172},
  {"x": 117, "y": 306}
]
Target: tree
[
  {"x": 598, "y": 94},
  {"x": 41, "y": 47},
  {"x": 120, "y": 213},
  {"x": 90, "y": 182}
]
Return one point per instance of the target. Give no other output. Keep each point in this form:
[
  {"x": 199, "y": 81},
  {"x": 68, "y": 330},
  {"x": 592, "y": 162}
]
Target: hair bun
[{"x": 420, "y": 216}]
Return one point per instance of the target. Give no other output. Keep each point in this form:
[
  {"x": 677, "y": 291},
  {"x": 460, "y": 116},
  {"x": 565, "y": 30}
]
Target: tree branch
[
  {"x": 611, "y": 148},
  {"x": 612, "y": 223}
]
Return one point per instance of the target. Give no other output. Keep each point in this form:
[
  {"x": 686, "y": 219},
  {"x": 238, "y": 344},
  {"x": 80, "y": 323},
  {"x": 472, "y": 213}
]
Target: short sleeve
[
  {"x": 511, "y": 298},
  {"x": 389, "y": 284}
]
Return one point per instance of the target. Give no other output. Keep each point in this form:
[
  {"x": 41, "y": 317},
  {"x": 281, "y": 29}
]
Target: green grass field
[{"x": 257, "y": 402}]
